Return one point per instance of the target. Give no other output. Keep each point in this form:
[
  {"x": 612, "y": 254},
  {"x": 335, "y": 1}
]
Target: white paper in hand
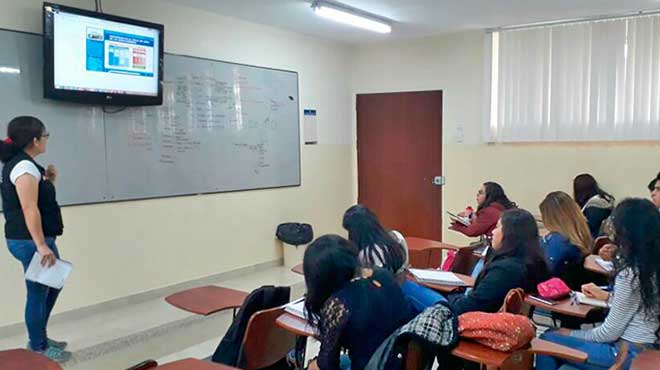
[{"x": 53, "y": 276}]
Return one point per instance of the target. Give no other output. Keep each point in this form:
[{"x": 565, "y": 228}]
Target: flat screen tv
[{"x": 97, "y": 58}]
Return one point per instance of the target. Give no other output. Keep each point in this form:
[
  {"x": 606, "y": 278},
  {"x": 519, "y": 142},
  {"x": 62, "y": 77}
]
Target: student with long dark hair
[
  {"x": 635, "y": 300},
  {"x": 517, "y": 262},
  {"x": 387, "y": 249},
  {"x": 354, "y": 309},
  {"x": 491, "y": 202},
  {"x": 596, "y": 203},
  {"x": 32, "y": 222},
  {"x": 377, "y": 247},
  {"x": 654, "y": 189}
]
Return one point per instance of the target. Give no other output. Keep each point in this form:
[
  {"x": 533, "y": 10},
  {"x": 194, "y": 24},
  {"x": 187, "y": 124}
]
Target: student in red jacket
[{"x": 491, "y": 202}]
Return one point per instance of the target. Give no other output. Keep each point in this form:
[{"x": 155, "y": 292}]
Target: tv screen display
[{"x": 98, "y": 58}]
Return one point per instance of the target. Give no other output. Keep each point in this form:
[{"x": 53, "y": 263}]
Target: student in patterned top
[
  {"x": 635, "y": 300},
  {"x": 355, "y": 309}
]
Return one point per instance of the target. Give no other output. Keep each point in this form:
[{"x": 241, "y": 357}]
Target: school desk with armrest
[
  {"x": 427, "y": 253},
  {"x": 591, "y": 265},
  {"x": 647, "y": 360},
  {"x": 519, "y": 360},
  {"x": 441, "y": 288},
  {"x": 564, "y": 307},
  {"x": 298, "y": 269},
  {"x": 193, "y": 364},
  {"x": 22, "y": 359},
  {"x": 144, "y": 365},
  {"x": 207, "y": 300}
]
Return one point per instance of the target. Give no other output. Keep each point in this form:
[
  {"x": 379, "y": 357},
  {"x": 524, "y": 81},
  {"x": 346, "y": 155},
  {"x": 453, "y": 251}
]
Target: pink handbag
[{"x": 553, "y": 289}]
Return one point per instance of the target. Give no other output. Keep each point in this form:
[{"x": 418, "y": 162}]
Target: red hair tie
[{"x": 9, "y": 141}]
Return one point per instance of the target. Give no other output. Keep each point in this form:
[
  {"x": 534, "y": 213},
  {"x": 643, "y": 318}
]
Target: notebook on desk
[
  {"x": 583, "y": 299},
  {"x": 437, "y": 277},
  {"x": 606, "y": 265},
  {"x": 296, "y": 308}
]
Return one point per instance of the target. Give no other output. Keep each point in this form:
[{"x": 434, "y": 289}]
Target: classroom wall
[
  {"x": 120, "y": 249},
  {"x": 455, "y": 64}
]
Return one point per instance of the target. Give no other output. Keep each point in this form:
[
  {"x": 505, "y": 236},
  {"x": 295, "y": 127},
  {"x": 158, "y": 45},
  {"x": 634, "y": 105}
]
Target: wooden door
[{"x": 399, "y": 141}]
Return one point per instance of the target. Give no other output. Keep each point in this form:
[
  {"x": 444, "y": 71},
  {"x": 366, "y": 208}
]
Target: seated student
[
  {"x": 376, "y": 246},
  {"x": 568, "y": 240},
  {"x": 634, "y": 302},
  {"x": 596, "y": 204},
  {"x": 379, "y": 248},
  {"x": 608, "y": 251},
  {"x": 355, "y": 309},
  {"x": 654, "y": 188},
  {"x": 491, "y": 202},
  {"x": 516, "y": 262}
]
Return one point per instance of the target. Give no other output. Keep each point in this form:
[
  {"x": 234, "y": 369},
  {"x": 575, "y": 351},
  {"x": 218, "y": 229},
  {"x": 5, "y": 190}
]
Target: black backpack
[
  {"x": 295, "y": 233},
  {"x": 228, "y": 351}
]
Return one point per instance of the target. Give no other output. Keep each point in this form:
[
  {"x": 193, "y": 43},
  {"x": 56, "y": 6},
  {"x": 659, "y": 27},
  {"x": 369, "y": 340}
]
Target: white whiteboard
[{"x": 222, "y": 127}]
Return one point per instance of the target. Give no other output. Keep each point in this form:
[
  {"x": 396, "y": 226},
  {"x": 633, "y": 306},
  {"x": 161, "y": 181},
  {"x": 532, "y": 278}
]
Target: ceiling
[{"x": 415, "y": 18}]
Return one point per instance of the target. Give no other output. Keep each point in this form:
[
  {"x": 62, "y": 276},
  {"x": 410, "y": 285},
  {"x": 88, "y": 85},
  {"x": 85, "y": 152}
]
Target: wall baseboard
[{"x": 82, "y": 312}]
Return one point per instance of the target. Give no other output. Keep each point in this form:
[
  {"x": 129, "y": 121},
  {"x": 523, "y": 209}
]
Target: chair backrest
[
  {"x": 465, "y": 260},
  {"x": 646, "y": 360},
  {"x": 513, "y": 302},
  {"x": 415, "y": 358},
  {"x": 145, "y": 365},
  {"x": 420, "y": 258},
  {"x": 265, "y": 343},
  {"x": 620, "y": 357}
]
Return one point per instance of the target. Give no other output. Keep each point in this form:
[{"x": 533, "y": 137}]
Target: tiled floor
[{"x": 119, "y": 338}]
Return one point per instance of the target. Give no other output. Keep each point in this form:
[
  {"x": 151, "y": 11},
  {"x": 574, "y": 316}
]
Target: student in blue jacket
[{"x": 569, "y": 239}]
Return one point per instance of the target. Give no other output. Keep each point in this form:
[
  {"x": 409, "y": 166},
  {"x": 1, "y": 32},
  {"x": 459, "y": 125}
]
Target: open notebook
[
  {"x": 606, "y": 265},
  {"x": 296, "y": 308},
  {"x": 583, "y": 299},
  {"x": 437, "y": 277}
]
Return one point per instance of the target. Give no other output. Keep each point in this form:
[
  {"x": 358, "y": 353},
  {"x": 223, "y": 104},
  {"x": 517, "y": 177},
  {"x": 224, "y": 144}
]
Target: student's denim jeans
[
  {"x": 40, "y": 298},
  {"x": 601, "y": 355},
  {"x": 420, "y": 296}
]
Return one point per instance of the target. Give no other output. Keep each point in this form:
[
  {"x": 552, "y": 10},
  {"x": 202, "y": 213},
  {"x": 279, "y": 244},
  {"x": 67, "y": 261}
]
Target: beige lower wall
[{"x": 127, "y": 248}]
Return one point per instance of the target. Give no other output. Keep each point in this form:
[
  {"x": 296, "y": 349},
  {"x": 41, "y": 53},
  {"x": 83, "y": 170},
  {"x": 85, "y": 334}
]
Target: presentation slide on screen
[{"x": 104, "y": 56}]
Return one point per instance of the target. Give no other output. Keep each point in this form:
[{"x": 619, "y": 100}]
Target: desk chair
[
  {"x": 265, "y": 343},
  {"x": 647, "y": 360}
]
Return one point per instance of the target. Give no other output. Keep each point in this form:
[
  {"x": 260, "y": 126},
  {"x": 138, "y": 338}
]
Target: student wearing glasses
[
  {"x": 32, "y": 222},
  {"x": 491, "y": 202}
]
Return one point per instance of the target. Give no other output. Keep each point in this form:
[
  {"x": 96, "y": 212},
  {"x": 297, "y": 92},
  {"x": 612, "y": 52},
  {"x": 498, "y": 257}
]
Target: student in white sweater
[{"x": 634, "y": 301}]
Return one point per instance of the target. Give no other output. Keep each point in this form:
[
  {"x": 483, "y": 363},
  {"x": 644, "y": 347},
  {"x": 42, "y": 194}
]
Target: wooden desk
[
  {"x": 647, "y": 360},
  {"x": 295, "y": 324},
  {"x": 563, "y": 307},
  {"x": 207, "y": 300},
  {"x": 426, "y": 253},
  {"x": 22, "y": 359},
  {"x": 194, "y": 364},
  {"x": 493, "y": 359},
  {"x": 468, "y": 280},
  {"x": 298, "y": 269},
  {"x": 591, "y": 265}
]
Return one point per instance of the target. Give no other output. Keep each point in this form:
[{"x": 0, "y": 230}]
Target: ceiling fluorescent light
[{"x": 351, "y": 17}]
